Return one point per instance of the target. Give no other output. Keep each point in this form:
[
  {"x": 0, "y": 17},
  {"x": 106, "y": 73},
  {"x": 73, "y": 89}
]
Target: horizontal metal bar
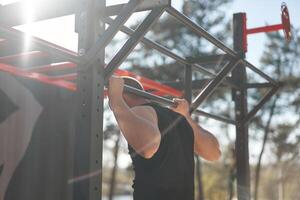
[
  {"x": 169, "y": 102},
  {"x": 106, "y": 37},
  {"x": 209, "y": 59},
  {"x": 37, "y": 77},
  {"x": 169, "y": 53},
  {"x": 265, "y": 29},
  {"x": 22, "y": 56},
  {"x": 40, "y": 44},
  {"x": 162, "y": 49},
  {"x": 52, "y": 67},
  {"x": 131, "y": 43},
  {"x": 158, "y": 99},
  {"x": 56, "y": 80},
  {"x": 12, "y": 14},
  {"x": 216, "y": 117},
  {"x": 261, "y": 73},
  {"x": 212, "y": 85},
  {"x": 260, "y": 104},
  {"x": 258, "y": 85},
  {"x": 27, "y": 59},
  {"x": 143, "y": 6},
  {"x": 196, "y": 84},
  {"x": 45, "y": 9},
  {"x": 200, "y": 31},
  {"x": 66, "y": 77}
]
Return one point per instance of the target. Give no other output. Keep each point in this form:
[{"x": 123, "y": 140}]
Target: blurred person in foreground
[{"x": 161, "y": 142}]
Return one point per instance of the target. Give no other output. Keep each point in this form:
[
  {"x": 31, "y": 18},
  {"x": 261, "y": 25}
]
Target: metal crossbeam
[
  {"x": 260, "y": 104},
  {"x": 15, "y": 35},
  {"x": 212, "y": 85},
  {"x": 215, "y": 117},
  {"x": 110, "y": 32},
  {"x": 203, "y": 33},
  {"x": 161, "y": 49},
  {"x": 45, "y": 9},
  {"x": 210, "y": 59},
  {"x": 144, "y": 6},
  {"x": 170, "y": 54},
  {"x": 11, "y": 14},
  {"x": 261, "y": 73},
  {"x": 200, "y": 31},
  {"x": 258, "y": 85},
  {"x": 169, "y": 102},
  {"x": 132, "y": 41}
]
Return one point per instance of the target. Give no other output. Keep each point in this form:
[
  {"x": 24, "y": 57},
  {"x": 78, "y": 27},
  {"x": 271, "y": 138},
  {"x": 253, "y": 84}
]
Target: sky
[
  {"x": 61, "y": 30},
  {"x": 259, "y": 13}
]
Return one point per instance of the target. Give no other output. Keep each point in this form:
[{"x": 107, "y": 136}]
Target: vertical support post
[
  {"x": 188, "y": 83},
  {"x": 239, "y": 77},
  {"x": 188, "y": 77},
  {"x": 87, "y": 170}
]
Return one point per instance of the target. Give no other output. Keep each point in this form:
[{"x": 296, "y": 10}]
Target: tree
[{"x": 282, "y": 59}]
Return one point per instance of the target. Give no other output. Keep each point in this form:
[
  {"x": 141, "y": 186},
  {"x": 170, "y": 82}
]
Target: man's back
[{"x": 169, "y": 173}]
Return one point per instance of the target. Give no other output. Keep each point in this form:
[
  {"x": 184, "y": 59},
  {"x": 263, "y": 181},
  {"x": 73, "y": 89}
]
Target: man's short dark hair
[{"x": 132, "y": 82}]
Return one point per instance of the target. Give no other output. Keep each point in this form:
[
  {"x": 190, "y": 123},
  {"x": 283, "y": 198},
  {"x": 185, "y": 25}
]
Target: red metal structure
[
  {"x": 285, "y": 26},
  {"x": 39, "y": 73}
]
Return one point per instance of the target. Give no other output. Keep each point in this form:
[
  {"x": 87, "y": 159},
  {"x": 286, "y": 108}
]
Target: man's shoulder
[{"x": 145, "y": 111}]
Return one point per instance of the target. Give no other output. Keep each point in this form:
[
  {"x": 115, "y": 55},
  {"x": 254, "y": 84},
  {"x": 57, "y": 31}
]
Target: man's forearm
[{"x": 205, "y": 143}]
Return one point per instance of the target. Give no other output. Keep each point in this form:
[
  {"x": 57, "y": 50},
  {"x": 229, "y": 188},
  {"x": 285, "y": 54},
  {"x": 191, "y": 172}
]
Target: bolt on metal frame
[{"x": 93, "y": 72}]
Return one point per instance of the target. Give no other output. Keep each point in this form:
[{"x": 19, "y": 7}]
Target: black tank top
[{"x": 169, "y": 173}]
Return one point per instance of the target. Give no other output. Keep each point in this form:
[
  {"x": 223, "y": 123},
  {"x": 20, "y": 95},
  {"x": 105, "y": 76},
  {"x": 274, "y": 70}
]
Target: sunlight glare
[{"x": 28, "y": 14}]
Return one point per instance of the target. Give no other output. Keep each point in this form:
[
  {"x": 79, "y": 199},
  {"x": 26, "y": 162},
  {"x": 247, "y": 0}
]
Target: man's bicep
[
  {"x": 150, "y": 141},
  {"x": 146, "y": 113}
]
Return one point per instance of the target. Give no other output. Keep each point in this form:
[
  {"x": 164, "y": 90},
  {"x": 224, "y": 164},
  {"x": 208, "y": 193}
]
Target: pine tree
[{"x": 282, "y": 60}]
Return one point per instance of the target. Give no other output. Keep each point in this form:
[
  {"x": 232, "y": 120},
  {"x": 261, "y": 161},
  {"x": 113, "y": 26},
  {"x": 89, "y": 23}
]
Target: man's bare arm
[
  {"x": 138, "y": 124},
  {"x": 205, "y": 144}
]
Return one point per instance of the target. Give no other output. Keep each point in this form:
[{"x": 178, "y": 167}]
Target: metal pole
[
  {"x": 215, "y": 117},
  {"x": 240, "y": 98},
  {"x": 139, "y": 33},
  {"x": 143, "y": 6},
  {"x": 203, "y": 33},
  {"x": 200, "y": 31},
  {"x": 169, "y": 53},
  {"x": 261, "y": 73},
  {"x": 169, "y": 102},
  {"x": 158, "y": 99},
  {"x": 188, "y": 83},
  {"x": 106, "y": 37},
  {"x": 87, "y": 168},
  {"x": 40, "y": 44},
  {"x": 260, "y": 104}
]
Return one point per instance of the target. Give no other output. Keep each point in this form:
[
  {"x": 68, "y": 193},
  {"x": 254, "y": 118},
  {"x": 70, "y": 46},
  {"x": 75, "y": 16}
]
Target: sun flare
[{"x": 28, "y": 14}]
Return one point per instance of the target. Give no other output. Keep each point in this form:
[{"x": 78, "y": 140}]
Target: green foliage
[{"x": 281, "y": 59}]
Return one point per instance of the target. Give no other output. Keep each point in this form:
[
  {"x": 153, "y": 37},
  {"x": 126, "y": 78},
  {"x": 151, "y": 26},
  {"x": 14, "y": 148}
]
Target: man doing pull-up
[{"x": 161, "y": 143}]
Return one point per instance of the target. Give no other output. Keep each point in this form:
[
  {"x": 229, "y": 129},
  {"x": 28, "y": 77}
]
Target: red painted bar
[
  {"x": 38, "y": 77},
  {"x": 52, "y": 67},
  {"x": 150, "y": 84},
  {"x": 26, "y": 55},
  {"x": 265, "y": 29}
]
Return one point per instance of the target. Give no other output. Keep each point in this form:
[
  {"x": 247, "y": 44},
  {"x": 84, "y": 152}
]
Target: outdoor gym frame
[{"x": 93, "y": 73}]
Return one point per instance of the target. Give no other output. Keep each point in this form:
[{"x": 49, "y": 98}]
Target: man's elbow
[{"x": 212, "y": 155}]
